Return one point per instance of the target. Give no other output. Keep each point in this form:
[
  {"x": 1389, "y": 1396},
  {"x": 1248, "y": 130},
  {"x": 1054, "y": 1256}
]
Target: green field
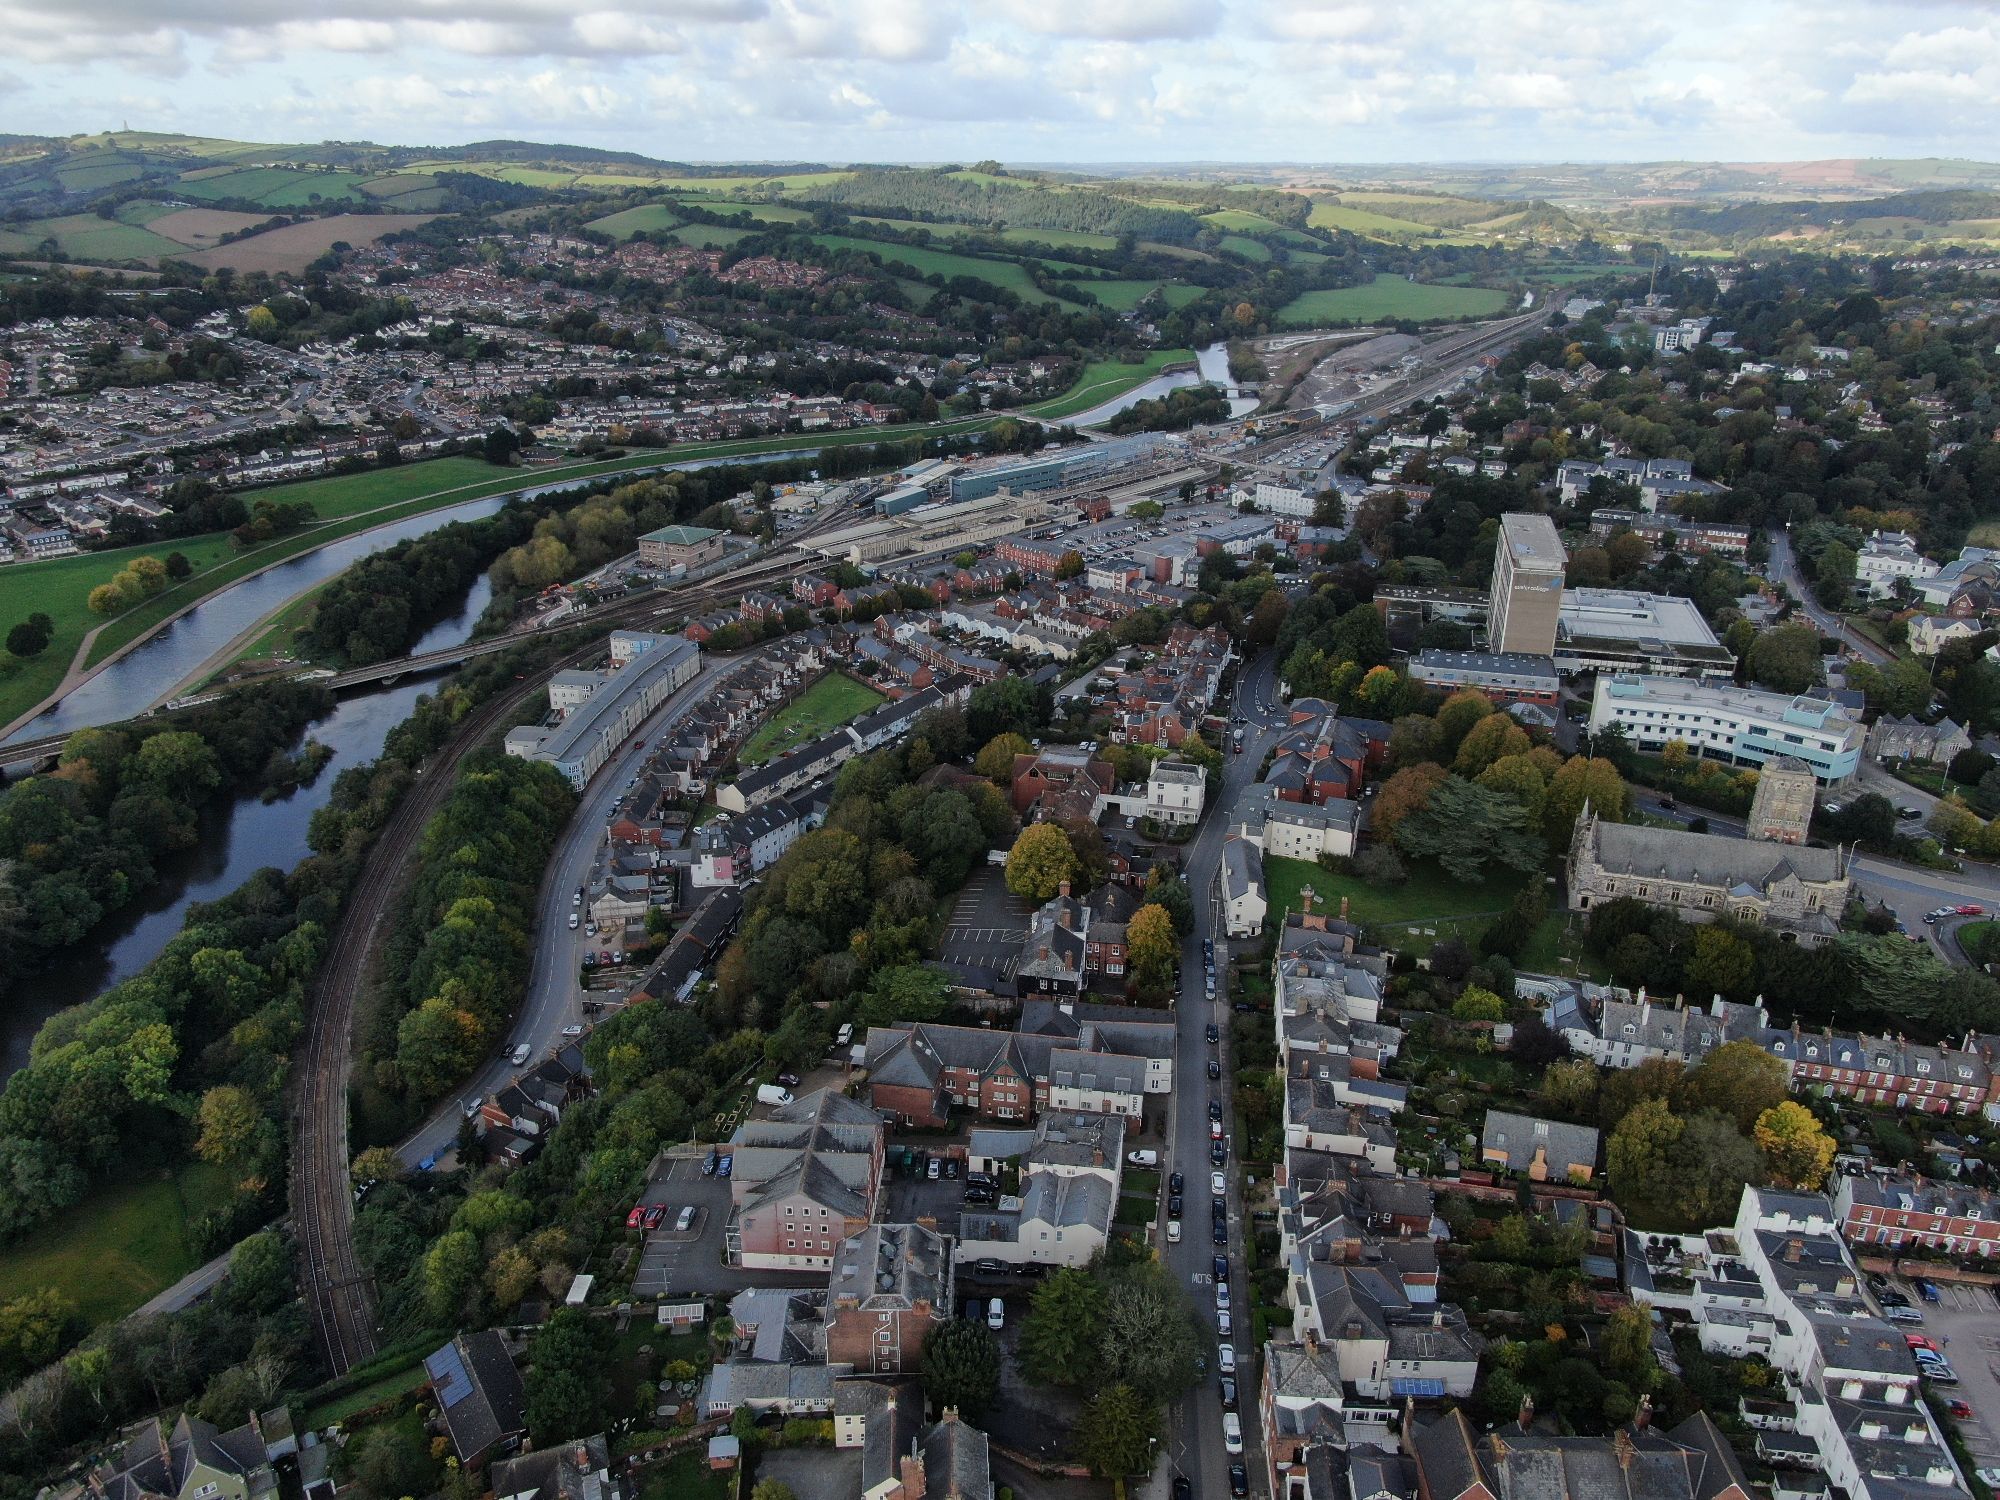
[
  {"x": 1390, "y": 297},
  {"x": 1123, "y": 296},
  {"x": 119, "y": 1247},
  {"x": 1249, "y": 249},
  {"x": 1364, "y": 221},
  {"x": 1104, "y": 380},
  {"x": 764, "y": 213},
  {"x": 710, "y": 236},
  {"x": 1241, "y": 219},
  {"x": 274, "y": 187},
  {"x": 1428, "y": 896},
  {"x": 1004, "y": 274},
  {"x": 827, "y": 704},
  {"x": 85, "y": 237},
  {"x": 644, "y": 219},
  {"x": 374, "y": 1393}
]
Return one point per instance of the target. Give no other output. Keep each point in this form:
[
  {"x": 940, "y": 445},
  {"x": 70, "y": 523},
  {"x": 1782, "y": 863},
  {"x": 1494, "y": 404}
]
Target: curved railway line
[{"x": 337, "y": 1291}]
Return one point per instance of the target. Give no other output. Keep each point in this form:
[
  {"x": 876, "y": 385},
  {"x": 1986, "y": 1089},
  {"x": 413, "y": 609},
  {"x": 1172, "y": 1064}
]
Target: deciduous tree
[
  {"x": 1797, "y": 1151},
  {"x": 995, "y": 760},
  {"x": 1404, "y": 794},
  {"x": 1040, "y": 861}
]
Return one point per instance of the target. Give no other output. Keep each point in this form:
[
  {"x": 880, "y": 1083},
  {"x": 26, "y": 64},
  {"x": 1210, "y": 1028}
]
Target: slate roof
[
  {"x": 1708, "y": 858},
  {"x": 479, "y": 1390},
  {"x": 1689, "y": 1463},
  {"x": 914, "y": 1262},
  {"x": 957, "y": 1465},
  {"x": 576, "y": 1470},
  {"x": 1517, "y": 1136}
]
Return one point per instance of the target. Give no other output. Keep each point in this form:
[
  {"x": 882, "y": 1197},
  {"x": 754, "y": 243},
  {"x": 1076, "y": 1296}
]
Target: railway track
[{"x": 339, "y": 1296}]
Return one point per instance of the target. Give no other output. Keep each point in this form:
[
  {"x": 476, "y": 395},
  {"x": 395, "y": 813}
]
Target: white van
[
  {"x": 1232, "y": 1433},
  {"x": 520, "y": 1054},
  {"x": 996, "y": 1314}
]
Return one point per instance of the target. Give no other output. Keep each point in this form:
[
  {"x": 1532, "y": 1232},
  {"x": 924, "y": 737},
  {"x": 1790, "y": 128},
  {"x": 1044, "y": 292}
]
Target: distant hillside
[
  {"x": 1764, "y": 219},
  {"x": 984, "y": 198},
  {"x": 525, "y": 151}
]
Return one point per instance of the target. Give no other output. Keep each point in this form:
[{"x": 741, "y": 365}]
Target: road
[
  {"x": 1194, "y": 1434},
  {"x": 1785, "y": 569},
  {"x": 553, "y": 999}
]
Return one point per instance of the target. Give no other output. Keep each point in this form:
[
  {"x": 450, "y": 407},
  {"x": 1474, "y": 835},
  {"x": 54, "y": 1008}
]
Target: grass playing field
[
  {"x": 827, "y": 704},
  {"x": 120, "y": 1246},
  {"x": 1390, "y": 297}
]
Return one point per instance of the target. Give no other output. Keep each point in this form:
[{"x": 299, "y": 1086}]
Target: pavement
[
  {"x": 1967, "y": 1326},
  {"x": 554, "y": 997},
  {"x": 1194, "y": 1425}
]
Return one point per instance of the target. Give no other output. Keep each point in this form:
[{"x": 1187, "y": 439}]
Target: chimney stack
[
  {"x": 1794, "y": 1249},
  {"x": 1643, "y": 1417},
  {"x": 1343, "y": 908},
  {"x": 1527, "y": 1416},
  {"x": 1063, "y": 889}
]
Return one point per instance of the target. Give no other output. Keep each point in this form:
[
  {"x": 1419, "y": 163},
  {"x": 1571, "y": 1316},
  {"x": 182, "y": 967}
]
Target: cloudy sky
[{"x": 1031, "y": 80}]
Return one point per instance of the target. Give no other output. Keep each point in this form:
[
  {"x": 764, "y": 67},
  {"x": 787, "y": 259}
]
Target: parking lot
[
  {"x": 988, "y": 924},
  {"x": 680, "y": 1265},
  {"x": 1966, "y": 1326}
]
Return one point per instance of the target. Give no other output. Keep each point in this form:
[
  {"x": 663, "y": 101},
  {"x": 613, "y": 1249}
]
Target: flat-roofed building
[
  {"x": 1742, "y": 725},
  {"x": 1623, "y": 630},
  {"x": 1500, "y": 676},
  {"x": 1527, "y": 585}
]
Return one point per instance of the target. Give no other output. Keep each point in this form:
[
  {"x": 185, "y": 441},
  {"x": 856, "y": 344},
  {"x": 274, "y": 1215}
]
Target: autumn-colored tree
[
  {"x": 995, "y": 760},
  {"x": 1408, "y": 791},
  {"x": 1150, "y": 948},
  {"x": 1522, "y": 778},
  {"x": 1797, "y": 1151},
  {"x": 1040, "y": 861},
  {"x": 1456, "y": 716},
  {"x": 1595, "y": 780},
  {"x": 1069, "y": 565},
  {"x": 1739, "y": 1079},
  {"x": 1492, "y": 738}
]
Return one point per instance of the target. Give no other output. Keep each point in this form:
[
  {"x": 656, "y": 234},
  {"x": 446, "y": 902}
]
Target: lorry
[{"x": 771, "y": 1093}]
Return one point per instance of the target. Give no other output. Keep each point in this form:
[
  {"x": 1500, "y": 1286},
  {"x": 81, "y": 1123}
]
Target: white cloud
[{"x": 1353, "y": 80}]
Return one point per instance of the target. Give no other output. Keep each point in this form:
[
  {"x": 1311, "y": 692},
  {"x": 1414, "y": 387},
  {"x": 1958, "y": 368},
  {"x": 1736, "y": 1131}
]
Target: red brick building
[{"x": 891, "y": 1284}]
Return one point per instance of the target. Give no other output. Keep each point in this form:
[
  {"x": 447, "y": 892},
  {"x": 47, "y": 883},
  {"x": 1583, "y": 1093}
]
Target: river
[
  {"x": 237, "y": 838},
  {"x": 1211, "y": 367}
]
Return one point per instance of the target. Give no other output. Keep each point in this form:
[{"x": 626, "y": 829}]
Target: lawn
[
  {"x": 1428, "y": 896},
  {"x": 1104, "y": 379},
  {"x": 1004, "y": 274},
  {"x": 1390, "y": 297},
  {"x": 395, "y": 1383},
  {"x": 827, "y": 704},
  {"x": 644, "y": 219},
  {"x": 123, "y": 1244},
  {"x": 686, "y": 1476}
]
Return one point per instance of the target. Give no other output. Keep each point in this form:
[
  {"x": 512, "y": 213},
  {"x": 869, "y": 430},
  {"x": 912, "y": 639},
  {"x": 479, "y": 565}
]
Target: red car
[
  {"x": 1921, "y": 1341},
  {"x": 654, "y": 1214},
  {"x": 632, "y": 1219},
  {"x": 1972, "y": 909},
  {"x": 1958, "y": 1408}
]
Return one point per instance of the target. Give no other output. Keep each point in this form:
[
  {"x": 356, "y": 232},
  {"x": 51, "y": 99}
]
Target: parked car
[
  {"x": 1239, "y": 1480},
  {"x": 1988, "y": 1477},
  {"x": 980, "y": 1179},
  {"x": 1902, "y": 1312},
  {"x": 1938, "y": 1374},
  {"x": 653, "y": 1216},
  {"x": 708, "y": 1163},
  {"x": 520, "y": 1054},
  {"x": 1893, "y": 1298},
  {"x": 1221, "y": 1268},
  {"x": 724, "y": 1167},
  {"x": 1232, "y": 1432},
  {"x": 1173, "y": 1231},
  {"x": 1215, "y": 1109},
  {"x": 572, "y": 922},
  {"x": 1222, "y": 1296},
  {"x": 572, "y": 1031},
  {"x": 1222, "y": 1323},
  {"x": 1214, "y": 1033},
  {"x": 1228, "y": 1384},
  {"x": 1928, "y": 1291},
  {"x": 636, "y": 1217},
  {"x": 996, "y": 1314},
  {"x": 1219, "y": 1231},
  {"x": 1176, "y": 1183},
  {"x": 1215, "y": 1130},
  {"x": 1225, "y": 1359},
  {"x": 933, "y": 1169},
  {"x": 788, "y": 1080},
  {"x": 686, "y": 1221},
  {"x": 1183, "y": 1488},
  {"x": 951, "y": 1168},
  {"x": 1958, "y": 1408},
  {"x": 1217, "y": 1185},
  {"x": 1214, "y": 1068},
  {"x": 980, "y": 1197},
  {"x": 1218, "y": 1153},
  {"x": 1174, "y": 1201}
]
